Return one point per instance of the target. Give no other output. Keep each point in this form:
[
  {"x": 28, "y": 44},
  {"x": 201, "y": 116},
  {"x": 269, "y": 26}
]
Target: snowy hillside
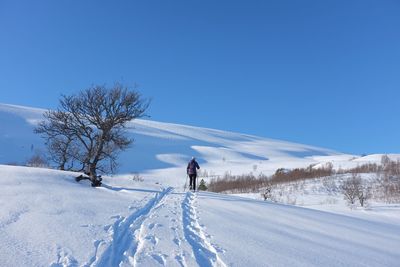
[
  {"x": 161, "y": 150},
  {"x": 47, "y": 219}
]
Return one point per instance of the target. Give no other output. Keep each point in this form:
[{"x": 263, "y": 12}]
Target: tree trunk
[{"x": 93, "y": 175}]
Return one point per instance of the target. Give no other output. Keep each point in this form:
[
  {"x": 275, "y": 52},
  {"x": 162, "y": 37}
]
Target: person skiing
[{"x": 191, "y": 170}]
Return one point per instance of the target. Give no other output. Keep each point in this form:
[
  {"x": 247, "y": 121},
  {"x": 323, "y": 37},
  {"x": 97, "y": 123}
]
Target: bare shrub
[
  {"x": 385, "y": 160},
  {"x": 284, "y": 175},
  {"x": 13, "y": 163},
  {"x": 350, "y": 189},
  {"x": 391, "y": 168},
  {"x": 388, "y": 188},
  {"x": 137, "y": 178},
  {"x": 37, "y": 160},
  {"x": 364, "y": 168},
  {"x": 267, "y": 194},
  {"x": 355, "y": 188},
  {"x": 285, "y": 182},
  {"x": 329, "y": 184},
  {"x": 238, "y": 183},
  {"x": 387, "y": 183},
  {"x": 204, "y": 173},
  {"x": 364, "y": 194}
]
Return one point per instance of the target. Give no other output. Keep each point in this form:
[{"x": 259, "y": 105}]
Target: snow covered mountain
[{"x": 161, "y": 150}]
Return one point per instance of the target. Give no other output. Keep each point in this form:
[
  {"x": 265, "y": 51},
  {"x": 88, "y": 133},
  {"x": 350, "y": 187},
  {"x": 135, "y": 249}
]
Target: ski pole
[{"x": 184, "y": 188}]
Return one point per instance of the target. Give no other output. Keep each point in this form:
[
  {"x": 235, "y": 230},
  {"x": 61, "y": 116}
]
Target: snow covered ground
[
  {"x": 48, "y": 219},
  {"x": 313, "y": 194}
]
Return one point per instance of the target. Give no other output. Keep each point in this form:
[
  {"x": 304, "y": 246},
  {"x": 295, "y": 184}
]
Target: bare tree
[
  {"x": 355, "y": 188},
  {"x": 351, "y": 188},
  {"x": 90, "y": 127}
]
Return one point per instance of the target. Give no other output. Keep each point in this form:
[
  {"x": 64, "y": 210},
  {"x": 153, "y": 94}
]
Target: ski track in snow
[
  {"x": 124, "y": 243},
  {"x": 161, "y": 237},
  {"x": 164, "y": 232},
  {"x": 206, "y": 254},
  {"x": 45, "y": 223}
]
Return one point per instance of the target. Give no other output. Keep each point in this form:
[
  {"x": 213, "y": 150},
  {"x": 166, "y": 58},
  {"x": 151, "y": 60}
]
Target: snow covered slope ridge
[{"x": 161, "y": 150}]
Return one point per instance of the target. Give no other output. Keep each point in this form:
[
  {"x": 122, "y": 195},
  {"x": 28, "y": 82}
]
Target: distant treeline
[{"x": 251, "y": 183}]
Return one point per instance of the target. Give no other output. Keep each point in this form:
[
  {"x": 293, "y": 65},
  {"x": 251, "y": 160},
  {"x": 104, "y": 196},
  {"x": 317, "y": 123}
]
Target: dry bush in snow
[
  {"x": 387, "y": 188},
  {"x": 329, "y": 184},
  {"x": 284, "y": 175},
  {"x": 137, "y": 178},
  {"x": 354, "y": 189},
  {"x": 37, "y": 160},
  {"x": 244, "y": 183},
  {"x": 350, "y": 188}
]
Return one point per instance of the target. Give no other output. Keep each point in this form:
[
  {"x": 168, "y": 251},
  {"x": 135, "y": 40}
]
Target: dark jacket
[{"x": 192, "y": 167}]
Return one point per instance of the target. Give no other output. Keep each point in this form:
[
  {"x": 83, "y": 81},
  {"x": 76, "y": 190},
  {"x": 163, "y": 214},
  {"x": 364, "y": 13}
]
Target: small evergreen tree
[{"x": 202, "y": 185}]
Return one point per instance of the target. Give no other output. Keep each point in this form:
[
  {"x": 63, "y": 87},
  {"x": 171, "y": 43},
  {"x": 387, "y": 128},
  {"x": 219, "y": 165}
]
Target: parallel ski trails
[
  {"x": 161, "y": 239},
  {"x": 124, "y": 244},
  {"x": 204, "y": 252}
]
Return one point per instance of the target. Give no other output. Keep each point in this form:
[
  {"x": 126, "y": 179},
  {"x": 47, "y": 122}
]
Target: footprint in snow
[
  {"x": 160, "y": 258},
  {"x": 180, "y": 259},
  {"x": 177, "y": 241},
  {"x": 218, "y": 249},
  {"x": 152, "y": 239}
]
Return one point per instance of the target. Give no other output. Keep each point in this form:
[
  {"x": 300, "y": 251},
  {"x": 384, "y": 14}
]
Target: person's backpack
[{"x": 192, "y": 167}]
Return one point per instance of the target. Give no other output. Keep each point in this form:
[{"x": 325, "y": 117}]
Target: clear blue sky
[{"x": 324, "y": 73}]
